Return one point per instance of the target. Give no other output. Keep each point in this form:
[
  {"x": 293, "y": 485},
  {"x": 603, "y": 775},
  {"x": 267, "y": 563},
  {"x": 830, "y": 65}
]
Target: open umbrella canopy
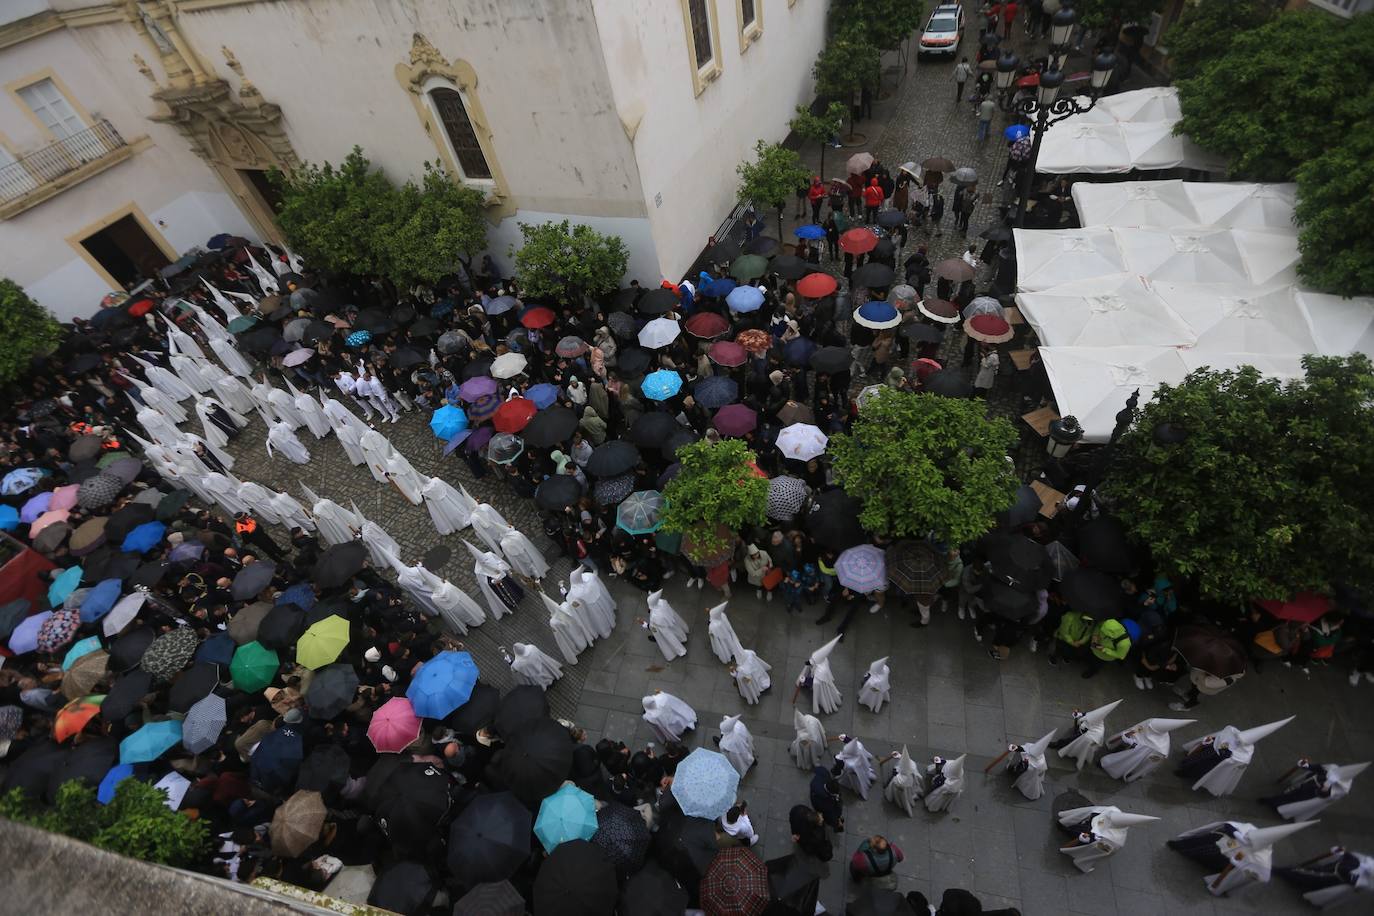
[
  {"x": 324, "y": 770},
  {"x": 253, "y": 667},
  {"x": 339, "y": 563},
  {"x": 297, "y": 823},
  {"x": 745, "y": 299},
  {"x": 490, "y": 839},
  {"x": 543, "y": 395},
  {"x": 35, "y": 507},
  {"x": 1093, "y": 592},
  {"x": 557, "y": 492},
  {"x": 833, "y": 521},
  {"x": 830, "y": 359},
  {"x": 802, "y": 442},
  {"x": 394, "y": 726},
  {"x": 513, "y": 415},
  {"x": 607, "y": 491},
  {"x": 707, "y": 325},
  {"x": 576, "y": 880},
  {"x": 78, "y": 650},
  {"x": 503, "y": 448},
  {"x": 1103, "y": 545},
  {"x": 536, "y": 760},
  {"x": 508, "y": 365},
  {"x": 657, "y": 301},
  {"x": 125, "y": 694},
  {"x": 9, "y": 518},
  {"x": 322, "y": 642},
  {"x": 915, "y": 568},
  {"x": 252, "y": 579},
  {"x": 612, "y": 458},
  {"x": 786, "y": 496},
  {"x": 331, "y": 691},
  {"x": 881, "y": 901},
  {"x": 24, "y": 636},
  {"x": 651, "y": 891},
  {"x": 735, "y": 420},
  {"x": 859, "y": 240},
  {"x": 243, "y": 626},
  {"x": 862, "y": 569},
  {"x": 716, "y": 391},
  {"x": 652, "y": 427},
  {"x": 705, "y": 784},
  {"x": 204, "y": 722},
  {"x": 481, "y": 386},
  {"x": 150, "y": 742},
  {"x": 1211, "y": 650},
  {"x": 1304, "y": 607},
  {"x": 447, "y": 422},
  {"x": 282, "y": 626},
  {"x": 873, "y": 275},
  {"x": 658, "y": 333},
  {"x": 11, "y": 614},
  {"x": 277, "y": 757},
  {"x": 550, "y": 427},
  {"x": 537, "y": 317},
  {"x": 85, "y": 673},
  {"x": 640, "y": 512},
  {"x": 144, "y": 538},
  {"x": 442, "y": 684},
  {"x": 633, "y": 361},
  {"x": 73, "y": 717},
  {"x": 519, "y": 707},
  {"x": 661, "y": 385},
  {"x": 818, "y": 285},
  {"x": 100, "y": 600},
  {"x": 948, "y": 383},
  {"x": 477, "y": 713},
  {"x": 64, "y": 584},
  {"x": 727, "y": 353},
  {"x": 105, "y": 792},
  {"x": 988, "y": 329},
  {"x": 685, "y": 846},
  {"x": 622, "y": 835},
  {"x": 568, "y": 814},
  {"x": 1007, "y": 601},
  {"x": 58, "y": 630},
  {"x": 749, "y": 267},
  {"x": 1019, "y": 561}
]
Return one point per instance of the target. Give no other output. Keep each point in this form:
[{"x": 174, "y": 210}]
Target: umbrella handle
[{"x": 1003, "y": 756}]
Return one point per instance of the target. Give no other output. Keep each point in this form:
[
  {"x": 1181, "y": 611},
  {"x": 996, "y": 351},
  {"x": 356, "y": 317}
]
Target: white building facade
[{"x": 133, "y": 131}]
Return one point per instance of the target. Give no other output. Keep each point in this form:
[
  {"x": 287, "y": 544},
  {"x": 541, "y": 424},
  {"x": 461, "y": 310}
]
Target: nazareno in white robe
[
  {"x": 668, "y": 716},
  {"x": 160, "y": 402},
  {"x": 942, "y": 797},
  {"x": 335, "y": 524},
  {"x": 313, "y": 415},
  {"x": 808, "y": 747},
  {"x": 449, "y": 509},
  {"x": 588, "y": 594},
  {"x": 488, "y": 524},
  {"x": 876, "y": 688},
  {"x": 486, "y": 567},
  {"x": 737, "y": 744},
  {"x": 668, "y": 628},
  {"x": 159, "y": 428},
  {"x": 402, "y": 473},
  {"x": 286, "y": 442},
  {"x": 568, "y": 631},
  {"x": 724, "y": 643},
  {"x": 858, "y": 773},
  {"x": 378, "y": 541},
  {"x": 522, "y": 555},
  {"x": 259, "y": 500},
  {"x": 376, "y": 449},
  {"x": 232, "y": 393},
  {"x": 291, "y": 512},
  {"x": 905, "y": 787},
  {"x": 285, "y": 408},
  {"x": 751, "y": 675},
  {"x": 231, "y": 358},
  {"x": 533, "y": 666}
]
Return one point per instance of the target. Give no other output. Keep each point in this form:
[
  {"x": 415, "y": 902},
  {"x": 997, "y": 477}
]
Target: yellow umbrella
[{"x": 322, "y": 643}]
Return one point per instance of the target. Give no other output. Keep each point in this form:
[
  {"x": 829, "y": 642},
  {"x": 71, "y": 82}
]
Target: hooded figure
[
  {"x": 335, "y": 524},
  {"x": 310, "y": 411},
  {"x": 230, "y": 357},
  {"x": 455, "y": 605},
  {"x": 1242, "y": 853},
  {"x": 666, "y": 627},
  {"x": 201, "y": 448},
  {"x": 669, "y": 717},
  {"x": 280, "y": 434},
  {"x": 1101, "y": 831},
  {"x": 568, "y": 632},
  {"x": 284, "y": 406},
  {"x": 403, "y": 475},
  {"x": 1089, "y": 730},
  {"x": 225, "y": 304},
  {"x": 259, "y": 500},
  {"x": 876, "y": 689},
  {"x": 488, "y": 524},
  {"x": 159, "y": 428},
  {"x": 449, "y": 509},
  {"x": 224, "y": 489},
  {"x": 946, "y": 778},
  {"x": 531, "y": 666},
  {"x": 905, "y": 788},
  {"x": 178, "y": 341},
  {"x": 375, "y": 537},
  {"x": 160, "y": 402},
  {"x": 856, "y": 766},
  {"x": 736, "y": 744},
  {"x": 523, "y": 556},
  {"x": 1217, "y": 761},
  {"x": 188, "y": 370},
  {"x": 348, "y": 429},
  {"x": 724, "y": 642},
  {"x": 218, "y": 421},
  {"x": 164, "y": 380},
  {"x": 493, "y": 577},
  {"x": 808, "y": 747},
  {"x": 291, "y": 512},
  {"x": 825, "y": 695},
  {"x": 1026, "y": 765},
  {"x": 588, "y": 596},
  {"x": 376, "y": 449},
  {"x": 1330, "y": 880},
  {"x": 751, "y": 675},
  {"x": 1140, "y": 749},
  {"x": 232, "y": 393},
  {"x": 1311, "y": 788}
]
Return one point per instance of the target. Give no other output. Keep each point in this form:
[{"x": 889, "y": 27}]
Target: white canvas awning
[
  {"x": 1130, "y": 130},
  {"x": 1180, "y": 204},
  {"x": 1093, "y": 383},
  {"x": 1112, "y": 311},
  {"x": 1049, "y": 257}
]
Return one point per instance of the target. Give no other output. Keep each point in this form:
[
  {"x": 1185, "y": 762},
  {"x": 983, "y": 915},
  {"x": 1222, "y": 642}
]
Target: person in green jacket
[
  {"x": 1071, "y": 637},
  {"x": 1110, "y": 643}
]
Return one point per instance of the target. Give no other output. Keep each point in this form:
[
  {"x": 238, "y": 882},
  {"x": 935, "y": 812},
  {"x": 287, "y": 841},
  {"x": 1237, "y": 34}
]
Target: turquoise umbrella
[
  {"x": 568, "y": 814},
  {"x": 150, "y": 742},
  {"x": 448, "y": 421},
  {"x": 64, "y": 585},
  {"x": 83, "y": 647}
]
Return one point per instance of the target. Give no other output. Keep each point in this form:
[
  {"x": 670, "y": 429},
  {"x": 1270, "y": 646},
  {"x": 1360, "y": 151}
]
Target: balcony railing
[{"x": 45, "y": 166}]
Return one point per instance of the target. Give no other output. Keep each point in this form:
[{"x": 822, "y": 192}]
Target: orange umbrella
[{"x": 74, "y": 716}]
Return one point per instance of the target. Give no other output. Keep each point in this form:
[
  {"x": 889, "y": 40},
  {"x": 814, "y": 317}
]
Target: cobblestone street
[{"x": 948, "y": 697}]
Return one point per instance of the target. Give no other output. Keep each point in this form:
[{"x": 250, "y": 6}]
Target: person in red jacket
[
  {"x": 1009, "y": 11},
  {"x": 816, "y": 194},
  {"x": 856, "y": 194},
  {"x": 873, "y": 199}
]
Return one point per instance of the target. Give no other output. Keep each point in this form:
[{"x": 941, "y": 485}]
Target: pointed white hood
[
  {"x": 718, "y": 611},
  {"x": 292, "y": 388},
  {"x": 1346, "y": 772},
  {"x": 1037, "y": 748},
  {"x": 824, "y": 651},
  {"x": 1099, "y": 715},
  {"x": 309, "y": 493},
  {"x": 1164, "y": 726},
  {"x": 727, "y": 725},
  {"x": 954, "y": 769},
  {"x": 478, "y": 555},
  {"x": 905, "y": 765},
  {"x": 1264, "y": 837},
  {"x": 552, "y": 606},
  {"x": 1126, "y": 819},
  {"x": 654, "y": 597},
  {"x": 1254, "y": 735},
  {"x": 875, "y": 669}
]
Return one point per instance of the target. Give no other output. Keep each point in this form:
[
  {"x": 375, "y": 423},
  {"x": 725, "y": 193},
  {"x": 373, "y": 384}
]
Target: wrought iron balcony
[{"x": 47, "y": 171}]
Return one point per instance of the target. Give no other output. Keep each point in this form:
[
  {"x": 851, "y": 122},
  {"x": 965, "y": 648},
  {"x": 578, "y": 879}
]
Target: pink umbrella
[
  {"x": 46, "y": 519},
  {"x": 394, "y": 727},
  {"x": 735, "y": 420},
  {"x": 727, "y": 353},
  {"x": 64, "y": 497}
]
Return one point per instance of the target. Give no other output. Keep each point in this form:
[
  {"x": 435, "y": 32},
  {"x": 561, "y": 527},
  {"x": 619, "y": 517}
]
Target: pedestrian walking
[
  {"x": 962, "y": 71},
  {"x": 874, "y": 861},
  {"x": 816, "y": 194},
  {"x": 986, "y": 109}
]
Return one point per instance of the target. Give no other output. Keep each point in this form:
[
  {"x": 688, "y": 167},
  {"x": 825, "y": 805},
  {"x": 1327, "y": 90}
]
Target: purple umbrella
[
  {"x": 479, "y": 387},
  {"x": 186, "y": 552},
  {"x": 34, "y": 508},
  {"x": 862, "y": 569},
  {"x": 478, "y": 440},
  {"x": 484, "y": 408},
  {"x": 735, "y": 420}
]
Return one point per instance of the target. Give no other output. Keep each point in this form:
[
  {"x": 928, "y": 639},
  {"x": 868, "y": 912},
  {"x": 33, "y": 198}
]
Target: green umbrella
[
  {"x": 241, "y": 324},
  {"x": 321, "y": 644},
  {"x": 749, "y": 267},
  {"x": 253, "y": 667},
  {"x": 110, "y": 458}
]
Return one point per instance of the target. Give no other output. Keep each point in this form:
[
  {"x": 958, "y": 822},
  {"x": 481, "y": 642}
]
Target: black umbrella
[
  {"x": 193, "y": 684},
  {"x": 324, "y": 770},
  {"x": 873, "y": 275},
  {"x": 10, "y": 615},
  {"x": 110, "y": 564},
  {"x": 380, "y": 773},
  {"x": 761, "y": 244},
  {"x": 657, "y": 301},
  {"x": 171, "y": 504},
  {"x": 478, "y": 368},
  {"x": 576, "y": 880},
  {"x": 83, "y": 363},
  {"x": 1093, "y": 592},
  {"x": 557, "y": 493},
  {"x": 685, "y": 847},
  {"x": 612, "y": 459},
  {"x": 126, "y": 651},
  {"x": 406, "y": 888},
  {"x": 789, "y": 267},
  {"x": 331, "y": 690},
  {"x": 477, "y": 713},
  {"x": 653, "y": 892},
  {"x": 317, "y": 331},
  {"x": 878, "y": 901},
  {"x": 549, "y": 427},
  {"x": 282, "y": 627},
  {"x": 491, "y": 899},
  {"x": 834, "y": 520},
  {"x": 126, "y": 520},
  {"x": 125, "y": 694},
  {"x": 1024, "y": 508},
  {"x": 490, "y": 839},
  {"x": 334, "y": 607},
  {"x": 339, "y": 563},
  {"x": 88, "y": 762},
  {"x": 1000, "y": 232},
  {"x": 623, "y": 835},
  {"x": 521, "y": 705},
  {"x": 32, "y": 769},
  {"x": 535, "y": 760},
  {"x": 923, "y": 333},
  {"x": 624, "y": 299},
  {"x": 722, "y": 251},
  {"x": 258, "y": 340},
  {"x": 415, "y": 800},
  {"x": 891, "y": 219},
  {"x": 676, "y": 440},
  {"x": 425, "y": 327},
  {"x": 405, "y": 357},
  {"x": 794, "y": 884},
  {"x": 1008, "y": 601},
  {"x": 830, "y": 359},
  {"x": 652, "y": 428},
  {"x": 949, "y": 383},
  {"x": 375, "y": 321},
  {"x": 633, "y": 361},
  {"x": 252, "y": 579},
  {"x": 1102, "y": 545},
  {"x": 86, "y": 447},
  {"x": 1018, "y": 561}
]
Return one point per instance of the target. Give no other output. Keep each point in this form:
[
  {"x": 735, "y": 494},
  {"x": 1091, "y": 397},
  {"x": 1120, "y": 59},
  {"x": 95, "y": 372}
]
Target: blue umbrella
[
  {"x": 218, "y": 649},
  {"x": 82, "y": 647},
  {"x": 448, "y": 421},
  {"x": 661, "y": 384},
  {"x": 20, "y": 480},
  {"x": 1016, "y": 132},
  {"x": 457, "y": 440},
  {"x": 809, "y": 231},
  {"x": 441, "y": 308},
  {"x": 877, "y": 314},
  {"x": 543, "y": 395},
  {"x": 705, "y": 784},
  {"x": 797, "y": 351},
  {"x": 501, "y": 304},
  {"x": 278, "y": 756},
  {"x": 144, "y": 538},
  {"x": 150, "y": 742},
  {"x": 9, "y": 518},
  {"x": 442, "y": 685},
  {"x": 35, "y": 507},
  {"x": 716, "y": 391},
  {"x": 118, "y": 773},
  {"x": 718, "y": 289},
  {"x": 65, "y": 583},
  {"x": 300, "y": 594},
  {"x": 186, "y": 552},
  {"x": 24, "y": 638},
  {"x": 568, "y": 814},
  {"x": 99, "y": 600},
  {"x": 358, "y": 338},
  {"x": 745, "y": 299}
]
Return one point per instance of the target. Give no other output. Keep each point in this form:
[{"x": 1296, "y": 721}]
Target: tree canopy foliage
[
  {"x": 1205, "y": 29},
  {"x": 884, "y": 23},
  {"x": 563, "y": 261},
  {"x": 818, "y": 128},
  {"x": 26, "y": 330},
  {"x": 719, "y": 485},
  {"x": 773, "y": 176}
]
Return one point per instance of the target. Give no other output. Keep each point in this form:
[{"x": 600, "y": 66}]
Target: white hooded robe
[
  {"x": 877, "y": 687},
  {"x": 668, "y": 628},
  {"x": 522, "y": 555},
  {"x": 737, "y": 744},
  {"x": 533, "y": 666},
  {"x": 449, "y": 509},
  {"x": 808, "y": 747},
  {"x": 668, "y": 716},
  {"x": 751, "y": 675},
  {"x": 724, "y": 643}
]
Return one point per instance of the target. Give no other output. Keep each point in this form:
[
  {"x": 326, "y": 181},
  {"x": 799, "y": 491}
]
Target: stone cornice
[{"x": 21, "y": 30}]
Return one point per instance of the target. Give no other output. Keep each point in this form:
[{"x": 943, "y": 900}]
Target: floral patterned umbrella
[
  {"x": 58, "y": 630},
  {"x": 169, "y": 653}
]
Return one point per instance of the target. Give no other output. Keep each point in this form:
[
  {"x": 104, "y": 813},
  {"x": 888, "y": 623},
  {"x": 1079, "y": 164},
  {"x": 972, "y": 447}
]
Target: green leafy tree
[
  {"x": 333, "y": 216},
  {"x": 1335, "y": 212},
  {"x": 719, "y": 485},
  {"x": 850, "y": 62},
  {"x": 1205, "y": 29},
  {"x": 885, "y": 23},
  {"x": 26, "y": 330},
  {"x": 567, "y": 262},
  {"x": 1103, "y": 14},
  {"x": 434, "y": 224},
  {"x": 818, "y": 128},
  {"x": 923, "y": 463},
  {"x": 772, "y": 178},
  {"x": 136, "y": 823}
]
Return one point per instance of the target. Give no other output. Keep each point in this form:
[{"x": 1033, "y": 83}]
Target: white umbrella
[
  {"x": 659, "y": 333},
  {"x": 507, "y": 365},
  {"x": 802, "y": 441},
  {"x": 123, "y": 612}
]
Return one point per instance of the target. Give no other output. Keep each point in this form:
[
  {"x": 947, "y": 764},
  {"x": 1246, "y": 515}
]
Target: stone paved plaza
[{"x": 948, "y": 696}]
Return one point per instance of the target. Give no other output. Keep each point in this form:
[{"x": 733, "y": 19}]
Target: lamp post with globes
[{"x": 1045, "y": 107}]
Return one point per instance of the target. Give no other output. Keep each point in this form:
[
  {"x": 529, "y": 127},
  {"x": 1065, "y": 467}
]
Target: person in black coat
[{"x": 825, "y": 798}]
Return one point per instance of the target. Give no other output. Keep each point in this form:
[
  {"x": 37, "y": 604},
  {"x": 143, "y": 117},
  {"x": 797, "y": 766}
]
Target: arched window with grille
[{"x": 451, "y": 110}]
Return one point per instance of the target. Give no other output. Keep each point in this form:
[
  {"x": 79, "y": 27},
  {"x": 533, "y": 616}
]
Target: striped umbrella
[
  {"x": 204, "y": 722},
  {"x": 862, "y": 569}
]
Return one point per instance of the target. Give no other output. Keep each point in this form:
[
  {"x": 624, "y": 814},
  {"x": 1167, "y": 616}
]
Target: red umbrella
[
  {"x": 988, "y": 329},
  {"x": 512, "y": 416},
  {"x": 538, "y": 317},
  {"x": 735, "y": 420},
  {"x": 1304, "y": 607},
  {"x": 816, "y": 286},
  {"x": 858, "y": 241},
  {"x": 141, "y": 308},
  {"x": 727, "y": 353},
  {"x": 706, "y": 325}
]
